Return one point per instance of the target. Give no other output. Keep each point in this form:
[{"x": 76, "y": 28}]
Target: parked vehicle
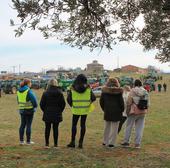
[
  {"x": 43, "y": 83},
  {"x": 93, "y": 82},
  {"x": 2, "y": 83},
  {"x": 35, "y": 84},
  {"x": 124, "y": 80},
  {"x": 97, "y": 91},
  {"x": 65, "y": 83},
  {"x": 10, "y": 86},
  {"x": 151, "y": 83}
]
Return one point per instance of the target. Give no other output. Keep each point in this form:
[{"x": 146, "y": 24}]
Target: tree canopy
[{"x": 98, "y": 23}]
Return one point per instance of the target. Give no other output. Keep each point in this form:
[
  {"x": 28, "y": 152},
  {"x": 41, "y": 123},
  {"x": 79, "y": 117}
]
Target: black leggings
[
  {"x": 74, "y": 127},
  {"x": 55, "y": 132},
  {"x": 123, "y": 119}
]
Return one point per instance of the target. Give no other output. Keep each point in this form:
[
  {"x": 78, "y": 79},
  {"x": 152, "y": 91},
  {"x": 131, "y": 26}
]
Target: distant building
[
  {"x": 56, "y": 72},
  {"x": 117, "y": 70},
  {"x": 94, "y": 68},
  {"x": 142, "y": 71},
  {"x": 60, "y": 73},
  {"x": 133, "y": 69}
]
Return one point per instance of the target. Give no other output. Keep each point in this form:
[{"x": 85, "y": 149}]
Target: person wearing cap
[
  {"x": 112, "y": 104},
  {"x": 79, "y": 98},
  {"x": 27, "y": 106},
  {"x": 52, "y": 104}
]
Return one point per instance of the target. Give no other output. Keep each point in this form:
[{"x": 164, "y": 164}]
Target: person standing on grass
[
  {"x": 126, "y": 91},
  {"x": 165, "y": 87},
  {"x": 111, "y": 102},
  {"x": 79, "y": 97},
  {"x": 136, "y": 114},
  {"x": 27, "y": 106},
  {"x": 52, "y": 104},
  {"x": 159, "y": 87}
]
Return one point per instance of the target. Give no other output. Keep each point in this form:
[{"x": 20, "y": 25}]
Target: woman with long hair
[
  {"x": 79, "y": 98},
  {"x": 112, "y": 104}
]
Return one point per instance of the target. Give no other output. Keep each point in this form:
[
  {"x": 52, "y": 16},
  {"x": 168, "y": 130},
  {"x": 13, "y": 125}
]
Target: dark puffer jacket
[
  {"x": 111, "y": 102},
  {"x": 52, "y": 104}
]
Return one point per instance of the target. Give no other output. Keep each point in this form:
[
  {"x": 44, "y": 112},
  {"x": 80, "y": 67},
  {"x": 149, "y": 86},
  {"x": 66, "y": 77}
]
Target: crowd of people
[{"x": 118, "y": 105}]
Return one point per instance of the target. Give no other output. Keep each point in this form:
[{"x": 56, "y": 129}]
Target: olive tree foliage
[{"x": 97, "y": 23}]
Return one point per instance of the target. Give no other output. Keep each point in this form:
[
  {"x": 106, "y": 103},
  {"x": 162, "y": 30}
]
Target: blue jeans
[{"x": 26, "y": 121}]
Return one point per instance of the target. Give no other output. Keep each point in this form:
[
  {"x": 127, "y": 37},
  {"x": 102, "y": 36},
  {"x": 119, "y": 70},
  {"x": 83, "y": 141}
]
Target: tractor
[
  {"x": 124, "y": 80},
  {"x": 10, "y": 86},
  {"x": 65, "y": 83},
  {"x": 43, "y": 83},
  {"x": 35, "y": 84}
]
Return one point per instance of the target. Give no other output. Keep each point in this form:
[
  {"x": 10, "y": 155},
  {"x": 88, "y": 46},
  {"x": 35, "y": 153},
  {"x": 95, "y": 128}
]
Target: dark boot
[
  {"x": 80, "y": 144},
  {"x": 71, "y": 144}
]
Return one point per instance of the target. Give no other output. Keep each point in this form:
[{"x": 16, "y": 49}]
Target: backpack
[{"x": 143, "y": 104}]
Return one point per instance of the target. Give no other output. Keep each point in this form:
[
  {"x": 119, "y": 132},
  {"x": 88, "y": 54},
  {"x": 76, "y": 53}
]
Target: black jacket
[
  {"x": 52, "y": 104},
  {"x": 79, "y": 89},
  {"x": 111, "y": 102}
]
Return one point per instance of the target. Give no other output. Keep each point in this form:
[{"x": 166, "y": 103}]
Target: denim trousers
[{"x": 26, "y": 122}]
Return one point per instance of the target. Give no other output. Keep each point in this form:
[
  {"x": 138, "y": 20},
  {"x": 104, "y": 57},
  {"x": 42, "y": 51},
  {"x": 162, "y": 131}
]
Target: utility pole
[
  {"x": 14, "y": 69},
  {"x": 19, "y": 69}
]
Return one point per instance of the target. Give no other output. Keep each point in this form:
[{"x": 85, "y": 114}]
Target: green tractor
[
  {"x": 65, "y": 83},
  {"x": 152, "y": 73},
  {"x": 11, "y": 86},
  {"x": 124, "y": 80},
  {"x": 151, "y": 83},
  {"x": 44, "y": 83},
  {"x": 35, "y": 84}
]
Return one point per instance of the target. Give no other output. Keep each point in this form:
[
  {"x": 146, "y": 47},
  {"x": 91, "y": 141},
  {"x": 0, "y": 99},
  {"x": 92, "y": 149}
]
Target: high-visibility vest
[
  {"x": 22, "y": 100},
  {"x": 81, "y": 102}
]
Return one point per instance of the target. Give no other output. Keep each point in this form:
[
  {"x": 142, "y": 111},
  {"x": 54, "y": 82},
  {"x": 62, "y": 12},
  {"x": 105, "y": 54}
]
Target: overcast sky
[{"x": 33, "y": 53}]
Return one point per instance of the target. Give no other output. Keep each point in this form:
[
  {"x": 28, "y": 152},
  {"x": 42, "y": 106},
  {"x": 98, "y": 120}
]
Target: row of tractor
[
  {"x": 11, "y": 86},
  {"x": 96, "y": 83}
]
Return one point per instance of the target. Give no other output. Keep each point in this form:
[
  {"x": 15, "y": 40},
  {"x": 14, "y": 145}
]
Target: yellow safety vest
[
  {"x": 81, "y": 102},
  {"x": 23, "y": 103}
]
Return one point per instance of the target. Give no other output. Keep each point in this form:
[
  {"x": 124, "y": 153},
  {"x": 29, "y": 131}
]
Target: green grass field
[{"x": 155, "y": 151}]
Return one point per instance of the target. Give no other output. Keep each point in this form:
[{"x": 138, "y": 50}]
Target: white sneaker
[
  {"x": 30, "y": 143},
  {"x": 137, "y": 146},
  {"x": 46, "y": 147},
  {"x": 22, "y": 142}
]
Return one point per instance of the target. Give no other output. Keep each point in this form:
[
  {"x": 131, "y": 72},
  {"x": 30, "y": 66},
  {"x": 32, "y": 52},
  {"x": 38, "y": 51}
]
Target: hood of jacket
[
  {"x": 24, "y": 88},
  {"x": 112, "y": 90},
  {"x": 80, "y": 88},
  {"x": 139, "y": 91}
]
